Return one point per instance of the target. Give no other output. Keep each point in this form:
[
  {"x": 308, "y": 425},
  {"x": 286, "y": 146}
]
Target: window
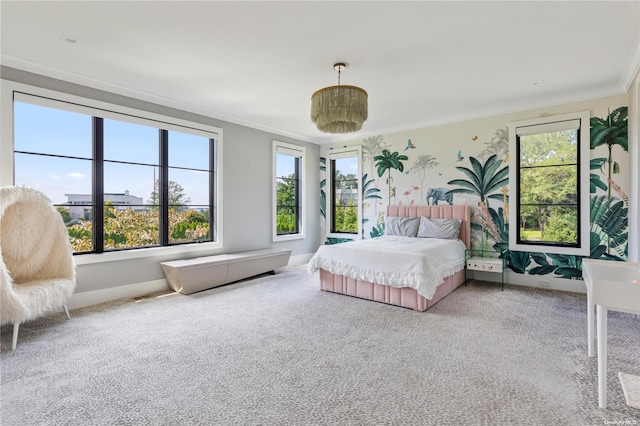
[
  {"x": 287, "y": 194},
  {"x": 549, "y": 184},
  {"x": 343, "y": 212},
  {"x": 119, "y": 181}
]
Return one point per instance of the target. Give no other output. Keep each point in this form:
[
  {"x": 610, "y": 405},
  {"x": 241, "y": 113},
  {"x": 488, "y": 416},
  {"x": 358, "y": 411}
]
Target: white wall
[{"x": 246, "y": 199}]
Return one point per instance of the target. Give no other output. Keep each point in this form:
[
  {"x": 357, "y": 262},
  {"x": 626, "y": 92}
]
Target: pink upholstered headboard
[{"x": 443, "y": 212}]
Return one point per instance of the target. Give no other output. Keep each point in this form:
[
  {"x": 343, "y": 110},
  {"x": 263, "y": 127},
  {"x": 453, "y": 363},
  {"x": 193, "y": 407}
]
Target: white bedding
[{"x": 419, "y": 263}]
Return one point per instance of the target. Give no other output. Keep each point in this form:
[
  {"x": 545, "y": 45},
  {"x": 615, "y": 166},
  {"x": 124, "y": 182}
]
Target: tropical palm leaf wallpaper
[{"x": 468, "y": 163}]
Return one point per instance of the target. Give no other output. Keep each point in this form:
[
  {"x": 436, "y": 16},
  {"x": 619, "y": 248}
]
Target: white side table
[
  {"x": 610, "y": 286},
  {"x": 486, "y": 261}
]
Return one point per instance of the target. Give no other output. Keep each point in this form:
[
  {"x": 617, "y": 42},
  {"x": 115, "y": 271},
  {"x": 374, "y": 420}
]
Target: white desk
[{"x": 610, "y": 286}]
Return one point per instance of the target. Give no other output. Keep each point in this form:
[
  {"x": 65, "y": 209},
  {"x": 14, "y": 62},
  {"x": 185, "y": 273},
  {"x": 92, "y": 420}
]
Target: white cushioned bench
[{"x": 191, "y": 275}]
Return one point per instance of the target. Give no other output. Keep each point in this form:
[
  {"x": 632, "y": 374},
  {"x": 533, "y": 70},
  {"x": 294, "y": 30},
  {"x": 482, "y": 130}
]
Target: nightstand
[{"x": 485, "y": 261}]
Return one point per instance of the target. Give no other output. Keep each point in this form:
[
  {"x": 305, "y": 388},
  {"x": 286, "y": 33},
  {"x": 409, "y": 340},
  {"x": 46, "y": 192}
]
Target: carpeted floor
[{"x": 276, "y": 350}]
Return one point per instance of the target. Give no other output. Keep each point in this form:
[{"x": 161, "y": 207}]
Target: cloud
[
  {"x": 75, "y": 175},
  {"x": 54, "y": 177}
]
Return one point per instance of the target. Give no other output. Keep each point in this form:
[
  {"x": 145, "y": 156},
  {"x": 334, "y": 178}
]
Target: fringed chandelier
[{"x": 339, "y": 109}]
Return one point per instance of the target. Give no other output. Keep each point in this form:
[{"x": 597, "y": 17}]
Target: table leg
[
  {"x": 601, "y": 315},
  {"x": 589, "y": 325}
]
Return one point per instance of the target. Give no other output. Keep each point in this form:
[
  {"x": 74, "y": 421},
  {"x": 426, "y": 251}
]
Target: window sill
[
  {"x": 114, "y": 256},
  {"x": 345, "y": 236},
  {"x": 290, "y": 237}
]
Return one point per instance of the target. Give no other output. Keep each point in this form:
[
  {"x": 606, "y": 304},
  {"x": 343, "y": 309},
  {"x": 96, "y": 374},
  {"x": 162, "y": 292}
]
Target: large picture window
[
  {"x": 288, "y": 202},
  {"x": 119, "y": 181},
  {"x": 549, "y": 212},
  {"x": 343, "y": 212}
]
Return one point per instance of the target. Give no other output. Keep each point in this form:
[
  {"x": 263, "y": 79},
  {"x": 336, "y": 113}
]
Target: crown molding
[
  {"x": 97, "y": 84},
  {"x": 632, "y": 68}
]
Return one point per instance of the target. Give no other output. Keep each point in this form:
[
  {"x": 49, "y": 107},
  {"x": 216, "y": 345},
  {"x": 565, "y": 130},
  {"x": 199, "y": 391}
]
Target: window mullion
[
  {"x": 296, "y": 188},
  {"x": 163, "y": 187},
  {"x": 212, "y": 190},
  {"x": 333, "y": 195},
  {"x": 98, "y": 184}
]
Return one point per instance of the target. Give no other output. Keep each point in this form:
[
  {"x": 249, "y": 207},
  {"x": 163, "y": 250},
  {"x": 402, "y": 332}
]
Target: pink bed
[{"x": 405, "y": 297}]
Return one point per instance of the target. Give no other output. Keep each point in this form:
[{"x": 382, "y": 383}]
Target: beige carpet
[{"x": 277, "y": 351}]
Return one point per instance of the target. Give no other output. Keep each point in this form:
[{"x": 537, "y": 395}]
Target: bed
[{"x": 343, "y": 271}]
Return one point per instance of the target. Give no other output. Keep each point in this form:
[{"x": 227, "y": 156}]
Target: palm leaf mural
[
  {"x": 503, "y": 245},
  {"x": 332, "y": 240},
  {"x": 420, "y": 166},
  {"x": 498, "y": 221},
  {"x": 483, "y": 179},
  {"x": 610, "y": 131},
  {"x": 323, "y": 183},
  {"x": 377, "y": 230},
  {"x": 545, "y": 268},
  {"x": 372, "y": 147},
  {"x": 387, "y": 161},
  {"x": 569, "y": 266},
  {"x": 609, "y": 222},
  {"x": 519, "y": 261},
  {"x": 595, "y": 181},
  {"x": 367, "y": 191}
]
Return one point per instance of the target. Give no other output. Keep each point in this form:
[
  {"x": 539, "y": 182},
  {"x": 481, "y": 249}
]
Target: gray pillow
[
  {"x": 439, "y": 228},
  {"x": 402, "y": 226}
]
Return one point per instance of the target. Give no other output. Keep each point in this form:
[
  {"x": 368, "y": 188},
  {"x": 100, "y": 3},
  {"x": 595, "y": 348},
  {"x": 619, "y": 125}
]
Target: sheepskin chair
[{"x": 37, "y": 271}]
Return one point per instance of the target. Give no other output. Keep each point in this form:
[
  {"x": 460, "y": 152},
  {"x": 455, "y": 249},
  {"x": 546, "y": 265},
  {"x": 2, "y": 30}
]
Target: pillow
[
  {"x": 439, "y": 228},
  {"x": 402, "y": 226}
]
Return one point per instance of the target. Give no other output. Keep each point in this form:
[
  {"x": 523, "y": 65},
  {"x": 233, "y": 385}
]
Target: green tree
[
  {"x": 286, "y": 204},
  {"x": 562, "y": 226},
  {"x": 346, "y": 217},
  {"x": 66, "y": 216},
  {"x": 549, "y": 185},
  {"x": 178, "y": 200}
]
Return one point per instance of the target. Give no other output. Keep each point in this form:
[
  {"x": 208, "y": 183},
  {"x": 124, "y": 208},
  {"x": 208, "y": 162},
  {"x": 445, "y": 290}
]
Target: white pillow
[
  {"x": 439, "y": 228},
  {"x": 402, "y": 226}
]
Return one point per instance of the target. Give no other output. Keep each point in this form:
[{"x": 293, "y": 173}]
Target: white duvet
[{"x": 420, "y": 263}]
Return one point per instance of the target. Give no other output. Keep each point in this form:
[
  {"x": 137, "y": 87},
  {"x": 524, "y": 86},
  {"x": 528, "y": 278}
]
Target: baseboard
[
  {"x": 89, "y": 298},
  {"x": 538, "y": 281},
  {"x": 300, "y": 259}
]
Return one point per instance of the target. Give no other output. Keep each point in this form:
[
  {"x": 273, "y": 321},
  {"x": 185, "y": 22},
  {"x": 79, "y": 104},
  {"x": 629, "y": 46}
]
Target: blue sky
[{"x": 52, "y": 131}]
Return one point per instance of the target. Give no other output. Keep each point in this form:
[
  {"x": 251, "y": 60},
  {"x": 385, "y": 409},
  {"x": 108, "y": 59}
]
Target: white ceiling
[{"x": 257, "y": 63}]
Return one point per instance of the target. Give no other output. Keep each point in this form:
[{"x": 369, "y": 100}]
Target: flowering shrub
[{"x": 125, "y": 228}]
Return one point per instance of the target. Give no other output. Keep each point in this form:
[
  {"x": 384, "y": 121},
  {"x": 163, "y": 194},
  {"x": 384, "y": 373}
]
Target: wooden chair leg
[{"x": 16, "y": 326}]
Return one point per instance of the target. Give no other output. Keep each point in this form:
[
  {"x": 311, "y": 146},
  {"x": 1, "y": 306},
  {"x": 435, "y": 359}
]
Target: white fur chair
[{"x": 37, "y": 271}]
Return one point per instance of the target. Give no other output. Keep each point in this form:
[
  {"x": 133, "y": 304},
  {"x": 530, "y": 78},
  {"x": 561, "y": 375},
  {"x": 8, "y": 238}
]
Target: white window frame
[
  {"x": 294, "y": 151},
  {"x": 9, "y": 90},
  {"x": 584, "y": 248},
  {"x": 335, "y": 154}
]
